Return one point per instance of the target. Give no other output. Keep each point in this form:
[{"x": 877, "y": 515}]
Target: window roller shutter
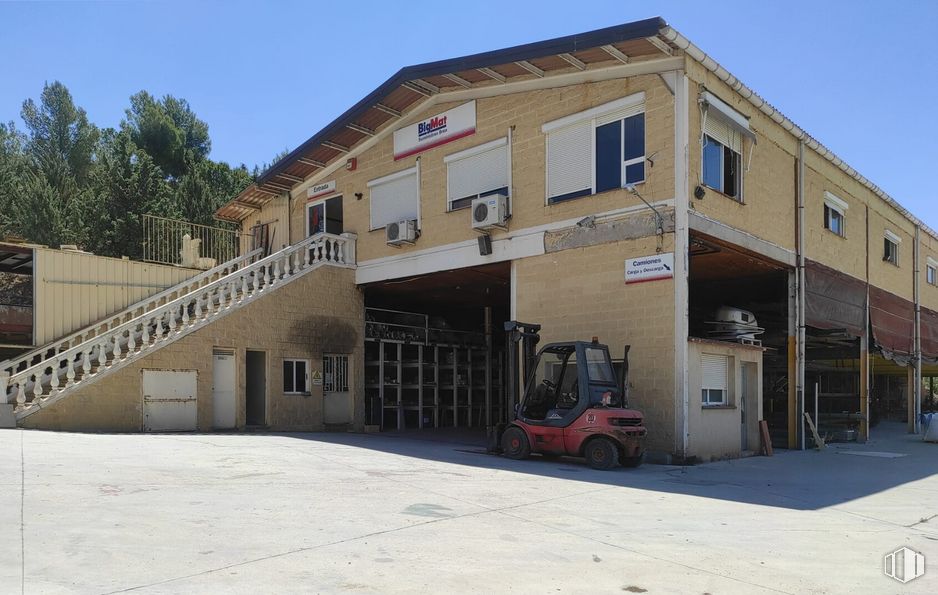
[
  {"x": 722, "y": 132},
  {"x": 620, "y": 114},
  {"x": 569, "y": 159},
  {"x": 395, "y": 200},
  {"x": 714, "y": 369},
  {"x": 477, "y": 174}
]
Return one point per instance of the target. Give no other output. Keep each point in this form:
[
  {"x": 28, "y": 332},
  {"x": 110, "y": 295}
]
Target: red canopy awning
[
  {"x": 893, "y": 322},
  {"x": 929, "y": 335},
  {"x": 834, "y": 300}
]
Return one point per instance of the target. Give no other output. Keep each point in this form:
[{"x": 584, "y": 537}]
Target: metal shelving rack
[{"x": 420, "y": 377}]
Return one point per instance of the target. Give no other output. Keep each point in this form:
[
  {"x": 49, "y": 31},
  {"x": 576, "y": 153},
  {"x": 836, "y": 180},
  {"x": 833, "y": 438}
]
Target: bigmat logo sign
[{"x": 442, "y": 128}]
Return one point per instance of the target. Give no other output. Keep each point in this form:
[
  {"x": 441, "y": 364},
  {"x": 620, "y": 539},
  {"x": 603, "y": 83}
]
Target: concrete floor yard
[{"x": 301, "y": 513}]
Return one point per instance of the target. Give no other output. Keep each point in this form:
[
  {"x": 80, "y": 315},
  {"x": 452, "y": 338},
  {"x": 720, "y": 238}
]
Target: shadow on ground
[{"x": 798, "y": 480}]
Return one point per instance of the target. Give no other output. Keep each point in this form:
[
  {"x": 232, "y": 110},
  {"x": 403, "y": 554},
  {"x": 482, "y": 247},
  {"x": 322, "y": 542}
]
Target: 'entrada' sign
[
  {"x": 649, "y": 268},
  {"x": 440, "y": 129}
]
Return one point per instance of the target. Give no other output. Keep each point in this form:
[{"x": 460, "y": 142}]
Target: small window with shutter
[
  {"x": 476, "y": 172},
  {"x": 395, "y": 198},
  {"x": 714, "y": 369},
  {"x": 721, "y": 157}
]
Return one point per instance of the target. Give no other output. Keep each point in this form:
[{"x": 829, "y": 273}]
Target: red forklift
[{"x": 573, "y": 403}]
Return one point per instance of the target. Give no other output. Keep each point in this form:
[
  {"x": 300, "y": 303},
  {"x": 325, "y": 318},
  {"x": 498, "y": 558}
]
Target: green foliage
[
  {"x": 64, "y": 181},
  {"x": 168, "y": 131},
  {"x": 61, "y": 140},
  {"x": 127, "y": 184}
]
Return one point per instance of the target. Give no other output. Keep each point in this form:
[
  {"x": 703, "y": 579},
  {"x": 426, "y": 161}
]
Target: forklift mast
[{"x": 527, "y": 335}]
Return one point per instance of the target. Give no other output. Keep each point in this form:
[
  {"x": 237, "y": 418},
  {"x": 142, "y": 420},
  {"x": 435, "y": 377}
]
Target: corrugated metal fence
[{"x": 74, "y": 289}]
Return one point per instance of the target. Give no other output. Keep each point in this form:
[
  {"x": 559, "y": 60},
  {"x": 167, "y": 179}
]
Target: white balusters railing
[
  {"x": 106, "y": 349},
  {"x": 39, "y": 354}
]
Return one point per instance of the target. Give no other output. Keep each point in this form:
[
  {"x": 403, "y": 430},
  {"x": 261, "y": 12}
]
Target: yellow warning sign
[{"x": 317, "y": 378}]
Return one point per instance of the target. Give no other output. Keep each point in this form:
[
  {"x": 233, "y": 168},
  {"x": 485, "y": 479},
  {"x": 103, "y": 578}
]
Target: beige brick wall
[
  {"x": 929, "y": 293},
  {"x": 321, "y": 312},
  {"x": 580, "y": 293},
  {"x": 716, "y": 433},
  {"x": 848, "y": 253},
  {"x": 896, "y": 279},
  {"x": 770, "y": 209},
  {"x": 524, "y": 113}
]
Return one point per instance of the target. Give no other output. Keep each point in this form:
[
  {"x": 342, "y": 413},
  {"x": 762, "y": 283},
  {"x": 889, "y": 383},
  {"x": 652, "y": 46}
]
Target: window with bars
[
  {"x": 335, "y": 373},
  {"x": 600, "y": 149}
]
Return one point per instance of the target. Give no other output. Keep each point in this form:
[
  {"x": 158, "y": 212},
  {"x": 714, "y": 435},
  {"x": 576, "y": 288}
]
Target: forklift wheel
[
  {"x": 515, "y": 443},
  {"x": 601, "y": 453}
]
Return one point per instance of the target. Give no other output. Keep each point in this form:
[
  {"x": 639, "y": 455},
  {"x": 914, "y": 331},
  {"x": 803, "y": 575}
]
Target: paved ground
[{"x": 328, "y": 513}]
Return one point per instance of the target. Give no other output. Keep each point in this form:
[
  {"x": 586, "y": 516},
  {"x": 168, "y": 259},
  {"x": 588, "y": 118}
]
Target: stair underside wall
[{"x": 321, "y": 312}]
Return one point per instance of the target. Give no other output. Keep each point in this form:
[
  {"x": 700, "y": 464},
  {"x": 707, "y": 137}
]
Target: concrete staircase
[{"x": 48, "y": 374}]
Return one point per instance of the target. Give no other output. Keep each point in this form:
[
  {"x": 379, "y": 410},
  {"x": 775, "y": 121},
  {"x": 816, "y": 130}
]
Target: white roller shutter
[
  {"x": 714, "y": 371},
  {"x": 718, "y": 129},
  {"x": 621, "y": 114},
  {"x": 570, "y": 159},
  {"x": 394, "y": 198},
  {"x": 476, "y": 171}
]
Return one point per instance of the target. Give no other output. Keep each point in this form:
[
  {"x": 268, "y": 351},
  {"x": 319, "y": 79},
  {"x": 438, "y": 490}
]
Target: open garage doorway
[
  {"x": 434, "y": 349},
  {"x": 730, "y": 290}
]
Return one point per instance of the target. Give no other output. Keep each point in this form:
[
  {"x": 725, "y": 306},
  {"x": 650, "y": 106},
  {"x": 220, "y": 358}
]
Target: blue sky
[{"x": 861, "y": 77}]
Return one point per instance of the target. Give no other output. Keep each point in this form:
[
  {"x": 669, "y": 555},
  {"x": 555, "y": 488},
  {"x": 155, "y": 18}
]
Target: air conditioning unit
[
  {"x": 489, "y": 211},
  {"x": 401, "y": 232}
]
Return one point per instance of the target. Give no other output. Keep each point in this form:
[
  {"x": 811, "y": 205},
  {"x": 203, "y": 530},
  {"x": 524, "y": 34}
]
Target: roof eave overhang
[{"x": 277, "y": 179}]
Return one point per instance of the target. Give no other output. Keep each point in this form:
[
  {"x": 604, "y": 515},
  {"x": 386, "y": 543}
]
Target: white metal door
[
  {"x": 170, "y": 401},
  {"x": 337, "y": 400},
  {"x": 224, "y": 409}
]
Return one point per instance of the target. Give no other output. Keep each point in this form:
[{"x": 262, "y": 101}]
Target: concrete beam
[
  {"x": 638, "y": 225},
  {"x": 741, "y": 238}
]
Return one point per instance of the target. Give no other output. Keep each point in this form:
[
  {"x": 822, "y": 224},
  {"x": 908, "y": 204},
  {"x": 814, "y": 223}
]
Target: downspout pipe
[
  {"x": 916, "y": 392},
  {"x": 800, "y": 336}
]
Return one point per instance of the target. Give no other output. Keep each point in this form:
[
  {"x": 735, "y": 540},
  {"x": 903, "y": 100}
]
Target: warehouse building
[{"x": 633, "y": 190}]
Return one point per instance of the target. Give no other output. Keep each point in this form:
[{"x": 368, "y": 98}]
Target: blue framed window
[
  {"x": 721, "y": 167},
  {"x": 597, "y": 150}
]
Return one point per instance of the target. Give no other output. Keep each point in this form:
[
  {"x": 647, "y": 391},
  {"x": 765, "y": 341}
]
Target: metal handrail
[{"x": 162, "y": 239}]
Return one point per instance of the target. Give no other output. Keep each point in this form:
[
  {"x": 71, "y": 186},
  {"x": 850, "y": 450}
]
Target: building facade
[{"x": 635, "y": 190}]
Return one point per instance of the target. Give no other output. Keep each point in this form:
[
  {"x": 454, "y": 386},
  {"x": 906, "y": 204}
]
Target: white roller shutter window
[
  {"x": 570, "y": 159},
  {"x": 476, "y": 174},
  {"x": 716, "y": 128},
  {"x": 714, "y": 370},
  {"x": 394, "y": 198}
]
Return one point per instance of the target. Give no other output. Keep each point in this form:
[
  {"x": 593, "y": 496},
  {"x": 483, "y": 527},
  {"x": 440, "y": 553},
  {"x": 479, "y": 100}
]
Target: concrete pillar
[
  {"x": 864, "y": 388},
  {"x": 910, "y": 397},
  {"x": 915, "y": 382},
  {"x": 681, "y": 243},
  {"x": 794, "y": 426}
]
